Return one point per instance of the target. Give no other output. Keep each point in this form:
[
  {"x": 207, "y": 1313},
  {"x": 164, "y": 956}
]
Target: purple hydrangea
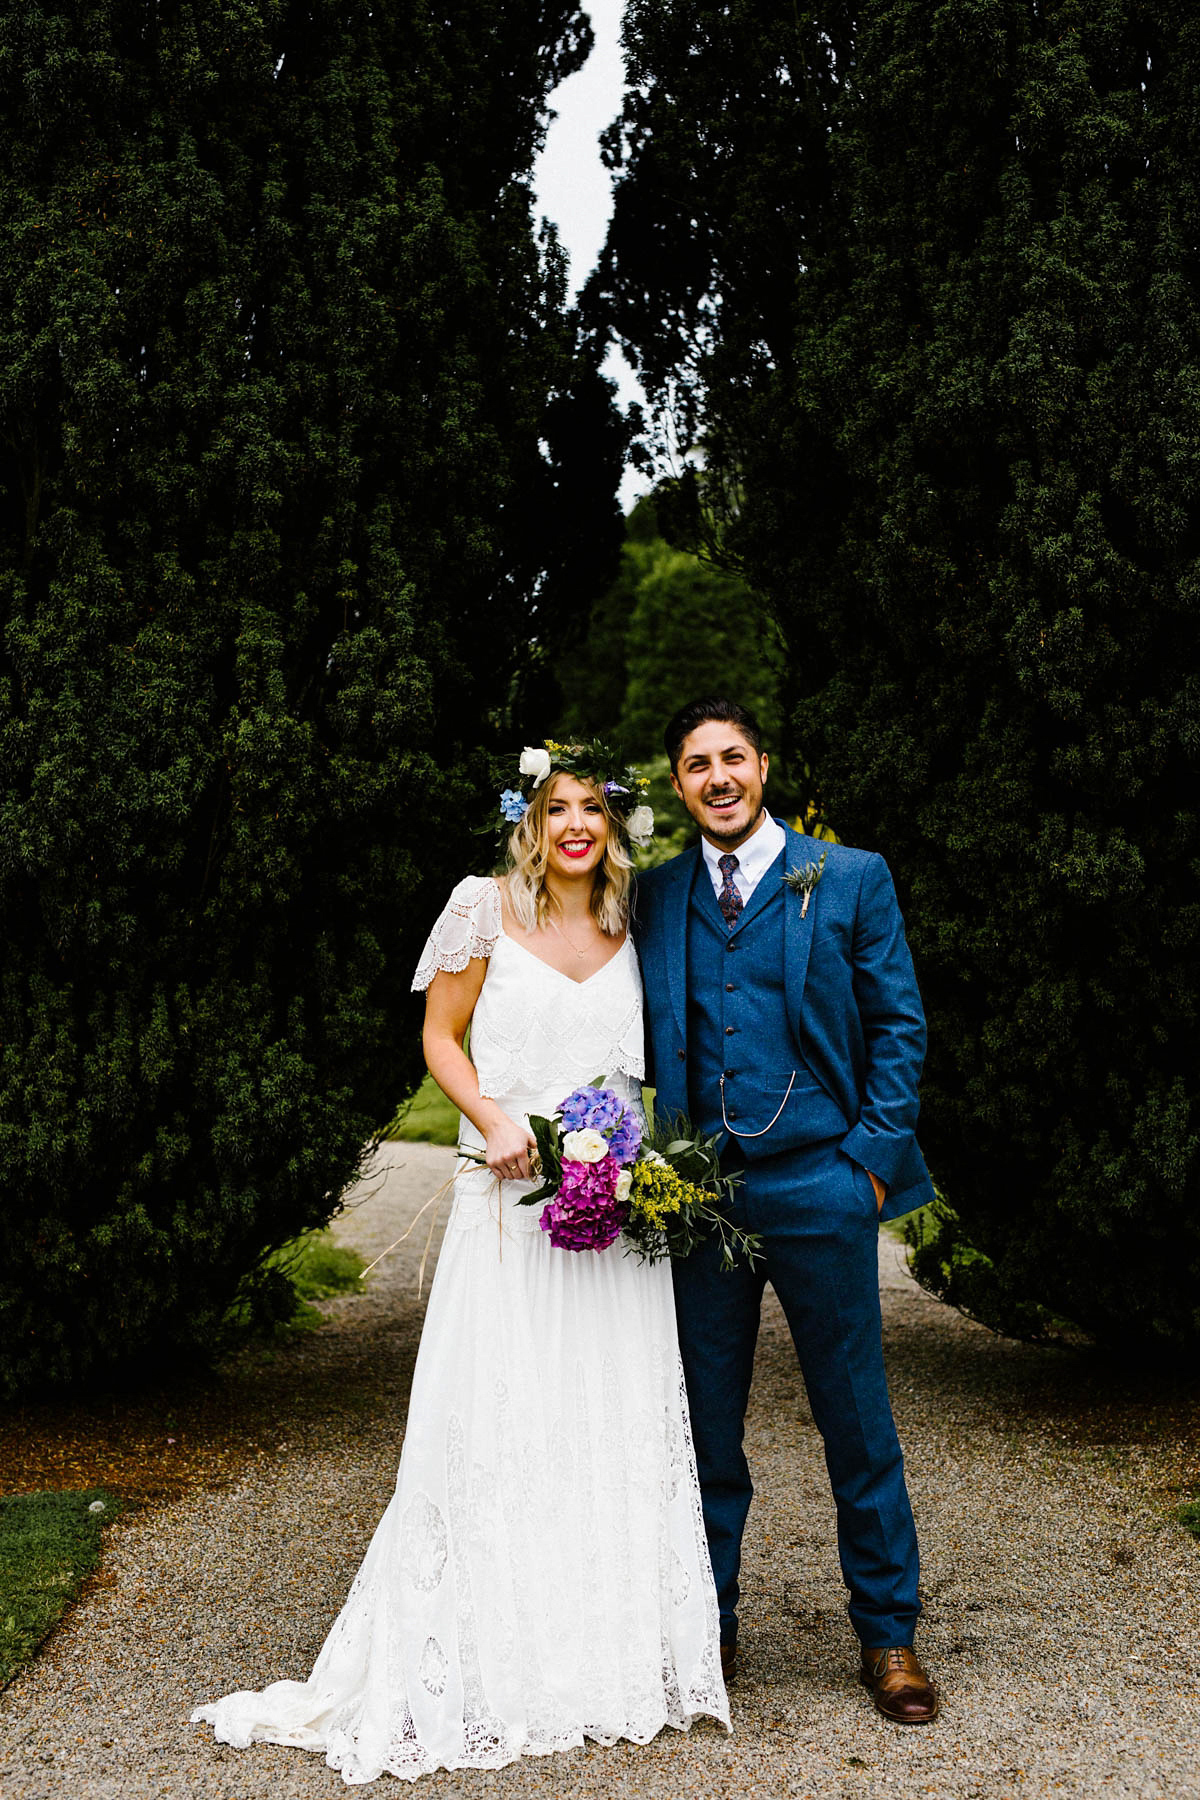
[{"x": 585, "y": 1214}]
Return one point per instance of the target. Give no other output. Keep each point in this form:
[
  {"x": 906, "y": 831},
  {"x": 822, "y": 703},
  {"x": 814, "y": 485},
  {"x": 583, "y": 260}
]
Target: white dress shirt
[{"x": 755, "y": 857}]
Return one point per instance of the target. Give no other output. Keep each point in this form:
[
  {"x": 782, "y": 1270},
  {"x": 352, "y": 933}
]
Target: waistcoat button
[
  {"x": 729, "y": 987},
  {"x": 729, "y": 1031},
  {"x": 681, "y": 1054}
]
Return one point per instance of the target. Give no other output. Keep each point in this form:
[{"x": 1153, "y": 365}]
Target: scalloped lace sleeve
[{"x": 469, "y": 926}]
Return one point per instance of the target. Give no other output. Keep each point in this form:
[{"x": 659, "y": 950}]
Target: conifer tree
[
  {"x": 285, "y": 426},
  {"x": 957, "y": 446}
]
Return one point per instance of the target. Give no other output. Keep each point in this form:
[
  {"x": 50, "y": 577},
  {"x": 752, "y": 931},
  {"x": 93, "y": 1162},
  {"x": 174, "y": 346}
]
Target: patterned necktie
[{"x": 729, "y": 900}]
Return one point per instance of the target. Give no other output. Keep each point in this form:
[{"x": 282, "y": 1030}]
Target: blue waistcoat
[
  {"x": 853, "y": 1007},
  {"x": 738, "y": 1026}
]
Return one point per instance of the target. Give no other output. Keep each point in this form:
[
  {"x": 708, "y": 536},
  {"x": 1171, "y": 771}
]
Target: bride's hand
[{"x": 506, "y": 1151}]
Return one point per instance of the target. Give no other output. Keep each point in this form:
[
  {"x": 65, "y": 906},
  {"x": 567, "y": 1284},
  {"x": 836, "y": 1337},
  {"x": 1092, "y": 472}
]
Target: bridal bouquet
[{"x": 606, "y": 1175}]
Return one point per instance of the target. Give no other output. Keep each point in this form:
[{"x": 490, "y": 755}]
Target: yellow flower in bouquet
[{"x": 657, "y": 1193}]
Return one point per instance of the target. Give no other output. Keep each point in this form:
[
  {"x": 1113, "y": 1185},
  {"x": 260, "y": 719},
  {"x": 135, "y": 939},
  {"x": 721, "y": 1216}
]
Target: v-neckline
[{"x": 518, "y": 945}]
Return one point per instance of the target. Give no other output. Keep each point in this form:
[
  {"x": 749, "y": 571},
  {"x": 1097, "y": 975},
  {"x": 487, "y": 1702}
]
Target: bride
[{"x": 541, "y": 1574}]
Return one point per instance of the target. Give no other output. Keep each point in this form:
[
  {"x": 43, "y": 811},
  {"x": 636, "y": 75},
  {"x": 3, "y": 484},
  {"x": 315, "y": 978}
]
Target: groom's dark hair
[{"x": 699, "y": 712}]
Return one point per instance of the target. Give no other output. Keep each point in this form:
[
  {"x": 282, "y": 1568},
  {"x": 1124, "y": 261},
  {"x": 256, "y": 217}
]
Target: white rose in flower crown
[
  {"x": 584, "y": 1146},
  {"x": 536, "y": 763},
  {"x": 640, "y": 825},
  {"x": 624, "y": 1183}
]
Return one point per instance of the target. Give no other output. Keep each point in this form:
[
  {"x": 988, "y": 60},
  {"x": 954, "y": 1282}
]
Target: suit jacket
[{"x": 852, "y": 998}]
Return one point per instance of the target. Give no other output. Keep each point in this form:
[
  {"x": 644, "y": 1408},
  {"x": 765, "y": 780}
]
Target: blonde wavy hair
[{"x": 529, "y": 857}]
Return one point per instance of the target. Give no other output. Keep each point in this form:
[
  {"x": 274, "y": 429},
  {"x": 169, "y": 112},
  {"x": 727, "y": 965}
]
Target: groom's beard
[{"x": 732, "y": 833}]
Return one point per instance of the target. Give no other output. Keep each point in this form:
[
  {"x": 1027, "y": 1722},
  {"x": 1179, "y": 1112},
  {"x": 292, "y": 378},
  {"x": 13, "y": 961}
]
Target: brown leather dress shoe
[
  {"x": 899, "y": 1685},
  {"x": 728, "y": 1662}
]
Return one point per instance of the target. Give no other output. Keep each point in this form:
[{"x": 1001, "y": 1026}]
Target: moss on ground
[{"x": 1189, "y": 1516}]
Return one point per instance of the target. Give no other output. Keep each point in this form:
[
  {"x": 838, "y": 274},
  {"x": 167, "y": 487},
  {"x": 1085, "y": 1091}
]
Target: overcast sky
[{"x": 572, "y": 184}]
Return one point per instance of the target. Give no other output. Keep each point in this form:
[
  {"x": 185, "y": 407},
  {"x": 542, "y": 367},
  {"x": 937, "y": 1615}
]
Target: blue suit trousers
[{"x": 816, "y": 1212}]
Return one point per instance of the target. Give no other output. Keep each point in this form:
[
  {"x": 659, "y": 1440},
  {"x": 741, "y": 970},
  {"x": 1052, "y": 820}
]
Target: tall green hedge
[
  {"x": 285, "y": 377},
  {"x": 956, "y": 445}
]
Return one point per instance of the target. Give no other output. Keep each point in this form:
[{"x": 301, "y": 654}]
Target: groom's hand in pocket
[{"x": 880, "y": 1190}]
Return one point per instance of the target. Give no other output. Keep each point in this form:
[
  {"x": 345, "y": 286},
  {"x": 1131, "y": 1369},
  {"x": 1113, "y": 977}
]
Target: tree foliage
[
  {"x": 955, "y": 436},
  {"x": 669, "y": 628},
  {"x": 693, "y": 630},
  {"x": 286, "y": 382}
]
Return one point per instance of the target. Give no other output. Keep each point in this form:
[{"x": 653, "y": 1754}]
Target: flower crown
[{"x": 623, "y": 787}]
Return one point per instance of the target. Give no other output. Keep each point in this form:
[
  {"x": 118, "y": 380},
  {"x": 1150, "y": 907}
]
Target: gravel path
[{"x": 1063, "y": 1609}]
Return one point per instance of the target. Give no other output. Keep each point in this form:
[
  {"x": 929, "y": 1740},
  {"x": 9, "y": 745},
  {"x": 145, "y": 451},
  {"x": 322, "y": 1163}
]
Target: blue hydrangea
[
  {"x": 513, "y": 805},
  {"x": 626, "y": 1140},
  {"x": 597, "y": 1109}
]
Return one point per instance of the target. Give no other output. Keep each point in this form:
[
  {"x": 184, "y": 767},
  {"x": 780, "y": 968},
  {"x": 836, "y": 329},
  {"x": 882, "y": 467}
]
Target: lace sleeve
[{"x": 469, "y": 926}]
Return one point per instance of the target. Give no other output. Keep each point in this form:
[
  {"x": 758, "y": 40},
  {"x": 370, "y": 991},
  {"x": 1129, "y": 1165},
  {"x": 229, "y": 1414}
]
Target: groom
[{"x": 784, "y": 1015}]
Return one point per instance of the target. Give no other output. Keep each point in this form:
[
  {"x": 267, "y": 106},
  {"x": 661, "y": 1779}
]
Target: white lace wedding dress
[{"x": 541, "y": 1574}]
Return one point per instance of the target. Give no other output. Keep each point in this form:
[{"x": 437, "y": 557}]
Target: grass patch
[
  {"x": 1189, "y": 1516},
  {"x": 428, "y": 1118},
  {"x": 317, "y": 1268},
  {"x": 307, "y": 1268},
  {"x": 49, "y": 1545}
]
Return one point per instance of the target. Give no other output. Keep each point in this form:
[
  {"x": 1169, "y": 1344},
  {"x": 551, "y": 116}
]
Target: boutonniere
[{"x": 805, "y": 879}]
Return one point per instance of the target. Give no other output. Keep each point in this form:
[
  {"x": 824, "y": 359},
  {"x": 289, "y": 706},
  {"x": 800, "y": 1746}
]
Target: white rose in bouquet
[
  {"x": 624, "y": 1184},
  {"x": 584, "y": 1146}
]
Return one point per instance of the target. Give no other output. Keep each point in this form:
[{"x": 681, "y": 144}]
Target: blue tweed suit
[{"x": 825, "y": 1000}]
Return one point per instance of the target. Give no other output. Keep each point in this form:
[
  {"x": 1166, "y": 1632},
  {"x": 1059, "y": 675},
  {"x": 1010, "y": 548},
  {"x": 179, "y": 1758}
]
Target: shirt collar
[{"x": 755, "y": 856}]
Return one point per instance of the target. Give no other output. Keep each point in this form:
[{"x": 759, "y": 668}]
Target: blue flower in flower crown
[{"x": 513, "y": 805}]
